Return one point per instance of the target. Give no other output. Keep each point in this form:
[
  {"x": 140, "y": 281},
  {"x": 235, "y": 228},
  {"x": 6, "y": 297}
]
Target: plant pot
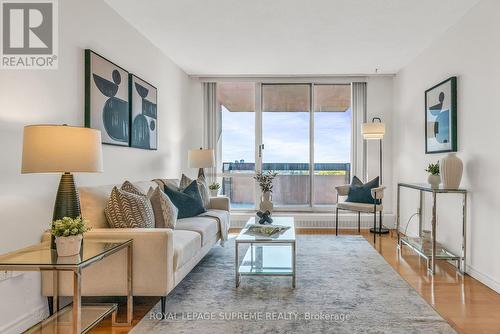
[
  {"x": 214, "y": 192},
  {"x": 69, "y": 246},
  {"x": 451, "y": 168},
  {"x": 266, "y": 203},
  {"x": 434, "y": 180}
]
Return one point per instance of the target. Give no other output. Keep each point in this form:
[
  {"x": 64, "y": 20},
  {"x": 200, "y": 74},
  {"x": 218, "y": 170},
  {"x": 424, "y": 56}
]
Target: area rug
[{"x": 343, "y": 286}]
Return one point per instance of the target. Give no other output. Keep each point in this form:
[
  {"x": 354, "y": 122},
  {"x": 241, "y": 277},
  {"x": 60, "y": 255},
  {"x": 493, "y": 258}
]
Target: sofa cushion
[
  {"x": 186, "y": 245},
  {"x": 188, "y": 201},
  {"x": 163, "y": 208},
  {"x": 202, "y": 187},
  {"x": 207, "y": 227},
  {"x": 127, "y": 210},
  {"x": 360, "y": 192}
]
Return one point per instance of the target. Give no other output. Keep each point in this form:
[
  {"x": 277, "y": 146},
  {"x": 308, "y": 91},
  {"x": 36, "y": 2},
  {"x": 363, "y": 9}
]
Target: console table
[
  {"x": 74, "y": 318},
  {"x": 436, "y": 251}
]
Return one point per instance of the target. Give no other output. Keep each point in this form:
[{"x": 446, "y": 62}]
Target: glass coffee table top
[{"x": 285, "y": 236}]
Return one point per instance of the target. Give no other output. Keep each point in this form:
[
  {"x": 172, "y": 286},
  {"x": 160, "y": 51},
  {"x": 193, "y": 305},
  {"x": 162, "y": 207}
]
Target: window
[{"x": 297, "y": 130}]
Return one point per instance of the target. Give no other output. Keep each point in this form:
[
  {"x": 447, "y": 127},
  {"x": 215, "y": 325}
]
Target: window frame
[{"x": 311, "y": 207}]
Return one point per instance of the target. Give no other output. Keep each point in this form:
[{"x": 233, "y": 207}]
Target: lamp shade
[
  {"x": 374, "y": 130},
  {"x": 201, "y": 158},
  {"x": 61, "y": 148}
]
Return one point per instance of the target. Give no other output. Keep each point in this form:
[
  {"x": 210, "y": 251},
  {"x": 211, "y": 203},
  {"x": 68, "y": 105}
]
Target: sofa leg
[
  {"x": 163, "y": 305},
  {"x": 359, "y": 222},
  {"x": 337, "y": 221},
  {"x": 50, "y": 301}
]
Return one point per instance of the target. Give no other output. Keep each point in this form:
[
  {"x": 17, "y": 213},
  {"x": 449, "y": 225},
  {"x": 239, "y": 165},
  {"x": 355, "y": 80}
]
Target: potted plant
[
  {"x": 214, "y": 189},
  {"x": 434, "y": 179},
  {"x": 69, "y": 234},
  {"x": 266, "y": 186}
]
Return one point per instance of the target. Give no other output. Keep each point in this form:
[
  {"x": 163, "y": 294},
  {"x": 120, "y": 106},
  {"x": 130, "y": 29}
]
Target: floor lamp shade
[
  {"x": 201, "y": 159},
  {"x": 62, "y": 149},
  {"x": 374, "y": 130}
]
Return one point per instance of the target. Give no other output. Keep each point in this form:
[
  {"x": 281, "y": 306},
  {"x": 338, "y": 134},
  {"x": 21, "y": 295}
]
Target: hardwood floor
[{"x": 469, "y": 306}]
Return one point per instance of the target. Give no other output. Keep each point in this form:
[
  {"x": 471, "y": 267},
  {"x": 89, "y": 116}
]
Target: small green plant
[
  {"x": 69, "y": 226},
  {"x": 433, "y": 168},
  {"x": 214, "y": 186},
  {"x": 265, "y": 180}
]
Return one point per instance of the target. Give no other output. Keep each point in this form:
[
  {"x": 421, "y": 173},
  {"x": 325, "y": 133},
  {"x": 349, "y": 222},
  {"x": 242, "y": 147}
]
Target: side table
[{"x": 74, "y": 318}]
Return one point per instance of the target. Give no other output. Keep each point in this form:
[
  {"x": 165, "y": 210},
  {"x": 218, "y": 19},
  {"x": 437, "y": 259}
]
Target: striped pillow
[{"x": 128, "y": 210}]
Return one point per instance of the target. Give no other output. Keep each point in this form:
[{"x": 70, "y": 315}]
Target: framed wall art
[
  {"x": 143, "y": 114},
  {"x": 107, "y": 99},
  {"x": 441, "y": 117}
]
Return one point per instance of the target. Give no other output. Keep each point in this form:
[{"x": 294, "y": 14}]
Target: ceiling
[{"x": 291, "y": 37}]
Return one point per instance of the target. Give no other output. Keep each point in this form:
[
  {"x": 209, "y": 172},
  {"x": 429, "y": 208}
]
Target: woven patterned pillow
[
  {"x": 202, "y": 187},
  {"x": 129, "y": 187},
  {"x": 163, "y": 208},
  {"x": 128, "y": 210}
]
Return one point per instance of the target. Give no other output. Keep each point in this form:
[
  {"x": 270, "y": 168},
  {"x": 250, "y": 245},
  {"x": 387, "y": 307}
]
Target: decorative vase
[
  {"x": 69, "y": 246},
  {"x": 434, "y": 180},
  {"x": 451, "y": 168},
  {"x": 214, "y": 192},
  {"x": 266, "y": 203}
]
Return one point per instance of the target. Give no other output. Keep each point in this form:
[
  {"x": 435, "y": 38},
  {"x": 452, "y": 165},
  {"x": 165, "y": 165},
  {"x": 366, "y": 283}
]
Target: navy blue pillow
[
  {"x": 360, "y": 192},
  {"x": 187, "y": 201}
]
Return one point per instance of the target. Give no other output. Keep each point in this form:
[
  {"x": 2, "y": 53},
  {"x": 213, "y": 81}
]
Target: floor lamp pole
[{"x": 381, "y": 229}]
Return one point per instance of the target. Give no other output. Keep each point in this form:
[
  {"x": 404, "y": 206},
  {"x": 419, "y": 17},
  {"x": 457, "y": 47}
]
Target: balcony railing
[{"x": 291, "y": 187}]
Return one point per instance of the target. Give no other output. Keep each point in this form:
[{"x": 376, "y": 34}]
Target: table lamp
[
  {"x": 201, "y": 159},
  {"x": 62, "y": 149},
  {"x": 375, "y": 131}
]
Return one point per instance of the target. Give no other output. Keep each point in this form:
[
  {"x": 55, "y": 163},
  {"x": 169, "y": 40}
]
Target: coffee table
[{"x": 267, "y": 255}]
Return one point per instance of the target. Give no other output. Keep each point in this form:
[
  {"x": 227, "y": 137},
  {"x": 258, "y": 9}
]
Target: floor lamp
[{"x": 376, "y": 131}]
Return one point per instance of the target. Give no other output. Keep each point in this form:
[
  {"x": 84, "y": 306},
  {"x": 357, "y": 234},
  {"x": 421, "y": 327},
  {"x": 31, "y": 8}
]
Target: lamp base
[
  {"x": 67, "y": 201},
  {"x": 201, "y": 172}
]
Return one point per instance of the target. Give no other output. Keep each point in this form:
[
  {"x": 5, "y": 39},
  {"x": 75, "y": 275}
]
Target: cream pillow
[{"x": 164, "y": 210}]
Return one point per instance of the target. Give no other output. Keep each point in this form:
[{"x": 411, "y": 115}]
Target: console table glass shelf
[
  {"x": 74, "y": 318},
  {"x": 434, "y": 250}
]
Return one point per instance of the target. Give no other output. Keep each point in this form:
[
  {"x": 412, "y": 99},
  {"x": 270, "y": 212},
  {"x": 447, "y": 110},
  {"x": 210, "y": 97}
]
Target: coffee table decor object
[{"x": 264, "y": 217}]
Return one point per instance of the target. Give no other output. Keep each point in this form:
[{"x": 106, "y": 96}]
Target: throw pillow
[
  {"x": 187, "y": 201},
  {"x": 360, "y": 192},
  {"x": 128, "y": 210},
  {"x": 164, "y": 210},
  {"x": 202, "y": 187},
  {"x": 129, "y": 187}
]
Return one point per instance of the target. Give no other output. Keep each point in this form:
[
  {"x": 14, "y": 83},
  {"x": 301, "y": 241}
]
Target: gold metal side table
[{"x": 74, "y": 318}]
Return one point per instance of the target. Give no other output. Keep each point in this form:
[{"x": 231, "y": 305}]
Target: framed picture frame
[
  {"x": 441, "y": 117},
  {"x": 107, "y": 99},
  {"x": 143, "y": 99}
]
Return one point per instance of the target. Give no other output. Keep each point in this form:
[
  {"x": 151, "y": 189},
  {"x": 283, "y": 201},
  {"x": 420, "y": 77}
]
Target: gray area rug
[{"x": 343, "y": 286}]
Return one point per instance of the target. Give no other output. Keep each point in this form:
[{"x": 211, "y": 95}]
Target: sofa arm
[
  {"x": 219, "y": 203},
  {"x": 378, "y": 193},
  {"x": 153, "y": 272},
  {"x": 343, "y": 190}
]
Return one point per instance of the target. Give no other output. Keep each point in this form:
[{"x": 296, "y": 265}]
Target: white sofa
[{"x": 161, "y": 257}]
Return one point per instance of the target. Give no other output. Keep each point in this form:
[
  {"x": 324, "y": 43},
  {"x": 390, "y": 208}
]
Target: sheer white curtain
[
  {"x": 358, "y": 103},
  {"x": 213, "y": 127}
]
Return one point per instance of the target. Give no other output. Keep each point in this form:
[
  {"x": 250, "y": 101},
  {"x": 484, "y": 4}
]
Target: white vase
[
  {"x": 266, "y": 203},
  {"x": 451, "y": 168},
  {"x": 434, "y": 180},
  {"x": 214, "y": 192},
  {"x": 69, "y": 246}
]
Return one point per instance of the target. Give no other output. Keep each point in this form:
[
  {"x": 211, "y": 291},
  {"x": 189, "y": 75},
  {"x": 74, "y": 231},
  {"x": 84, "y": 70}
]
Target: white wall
[
  {"x": 471, "y": 51},
  {"x": 56, "y": 97}
]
